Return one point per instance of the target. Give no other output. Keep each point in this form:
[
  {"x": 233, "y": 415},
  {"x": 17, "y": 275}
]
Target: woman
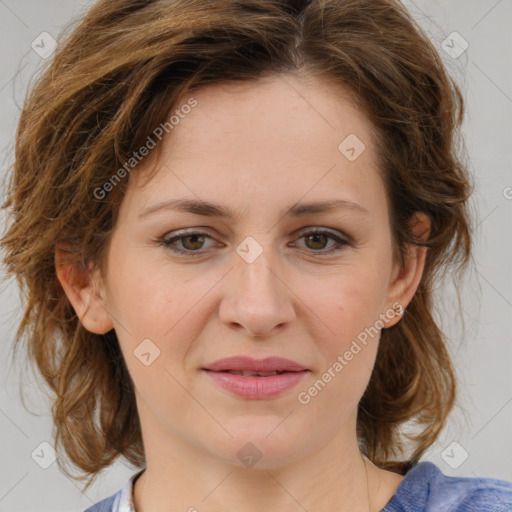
[{"x": 229, "y": 217}]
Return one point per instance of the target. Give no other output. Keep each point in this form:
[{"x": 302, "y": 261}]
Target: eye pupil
[{"x": 315, "y": 238}]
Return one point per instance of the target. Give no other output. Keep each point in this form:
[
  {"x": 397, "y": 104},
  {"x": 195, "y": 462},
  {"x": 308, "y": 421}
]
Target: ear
[
  {"x": 406, "y": 279},
  {"x": 85, "y": 290}
]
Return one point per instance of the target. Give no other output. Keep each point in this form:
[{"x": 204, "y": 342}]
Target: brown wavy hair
[{"x": 116, "y": 74}]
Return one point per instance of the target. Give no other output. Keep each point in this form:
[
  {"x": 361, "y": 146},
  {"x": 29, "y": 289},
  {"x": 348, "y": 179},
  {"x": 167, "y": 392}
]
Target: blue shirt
[{"x": 424, "y": 489}]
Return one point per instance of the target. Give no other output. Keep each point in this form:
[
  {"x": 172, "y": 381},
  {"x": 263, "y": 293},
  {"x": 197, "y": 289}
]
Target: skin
[{"x": 257, "y": 148}]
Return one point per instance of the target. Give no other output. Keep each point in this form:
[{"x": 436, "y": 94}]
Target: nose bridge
[
  {"x": 258, "y": 299},
  {"x": 256, "y": 268},
  {"x": 257, "y": 259}
]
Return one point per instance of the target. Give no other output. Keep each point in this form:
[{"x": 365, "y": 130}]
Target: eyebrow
[{"x": 208, "y": 209}]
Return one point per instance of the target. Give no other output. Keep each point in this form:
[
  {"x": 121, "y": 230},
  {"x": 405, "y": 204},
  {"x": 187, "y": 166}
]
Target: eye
[
  {"x": 193, "y": 241},
  {"x": 316, "y": 240}
]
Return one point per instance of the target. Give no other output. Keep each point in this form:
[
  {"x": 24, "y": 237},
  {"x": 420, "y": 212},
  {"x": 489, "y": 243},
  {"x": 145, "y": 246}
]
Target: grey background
[{"x": 482, "y": 353}]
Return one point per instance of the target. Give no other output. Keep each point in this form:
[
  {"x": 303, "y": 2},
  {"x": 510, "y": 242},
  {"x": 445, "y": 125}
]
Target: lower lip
[{"x": 257, "y": 387}]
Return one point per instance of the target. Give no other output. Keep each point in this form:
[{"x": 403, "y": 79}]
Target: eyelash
[{"x": 167, "y": 242}]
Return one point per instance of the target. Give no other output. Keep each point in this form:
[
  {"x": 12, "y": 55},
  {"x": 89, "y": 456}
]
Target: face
[{"x": 314, "y": 286}]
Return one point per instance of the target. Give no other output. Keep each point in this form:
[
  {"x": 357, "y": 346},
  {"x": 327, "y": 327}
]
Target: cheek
[
  {"x": 348, "y": 302},
  {"x": 166, "y": 306},
  {"x": 153, "y": 296},
  {"x": 348, "y": 306},
  {"x": 348, "y": 348}
]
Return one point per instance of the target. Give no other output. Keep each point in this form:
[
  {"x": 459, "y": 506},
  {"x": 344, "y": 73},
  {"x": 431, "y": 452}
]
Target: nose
[{"x": 257, "y": 297}]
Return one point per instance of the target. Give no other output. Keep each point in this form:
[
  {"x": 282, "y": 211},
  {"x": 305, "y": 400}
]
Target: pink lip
[
  {"x": 249, "y": 364},
  {"x": 257, "y": 387}
]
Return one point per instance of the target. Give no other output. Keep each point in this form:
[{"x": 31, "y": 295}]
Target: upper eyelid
[{"x": 204, "y": 231}]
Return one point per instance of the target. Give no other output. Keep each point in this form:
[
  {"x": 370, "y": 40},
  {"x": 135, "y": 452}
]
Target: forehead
[
  {"x": 248, "y": 142},
  {"x": 269, "y": 111}
]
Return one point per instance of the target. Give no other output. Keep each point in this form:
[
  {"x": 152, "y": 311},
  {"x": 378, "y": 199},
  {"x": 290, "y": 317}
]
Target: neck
[{"x": 181, "y": 477}]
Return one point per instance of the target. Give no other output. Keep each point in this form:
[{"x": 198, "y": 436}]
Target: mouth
[
  {"x": 255, "y": 379},
  {"x": 249, "y": 366},
  {"x": 249, "y": 373},
  {"x": 250, "y": 378}
]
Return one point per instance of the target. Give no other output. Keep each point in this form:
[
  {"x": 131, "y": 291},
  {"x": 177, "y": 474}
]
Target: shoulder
[{"x": 426, "y": 488}]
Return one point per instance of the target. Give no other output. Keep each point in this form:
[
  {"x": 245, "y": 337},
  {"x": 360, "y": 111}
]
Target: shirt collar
[{"x": 124, "y": 498}]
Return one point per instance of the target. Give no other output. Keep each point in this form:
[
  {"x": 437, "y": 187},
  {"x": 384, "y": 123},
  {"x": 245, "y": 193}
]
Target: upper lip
[{"x": 244, "y": 363}]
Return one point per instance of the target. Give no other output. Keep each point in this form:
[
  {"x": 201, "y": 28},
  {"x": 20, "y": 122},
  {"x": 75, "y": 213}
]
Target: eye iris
[
  {"x": 316, "y": 236},
  {"x": 195, "y": 237}
]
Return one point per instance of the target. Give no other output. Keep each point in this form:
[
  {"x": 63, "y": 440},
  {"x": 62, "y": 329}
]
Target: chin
[{"x": 256, "y": 449}]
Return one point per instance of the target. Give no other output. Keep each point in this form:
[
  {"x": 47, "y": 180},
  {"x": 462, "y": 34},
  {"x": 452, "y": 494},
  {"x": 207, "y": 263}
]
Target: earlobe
[
  {"x": 407, "y": 278},
  {"x": 84, "y": 289}
]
